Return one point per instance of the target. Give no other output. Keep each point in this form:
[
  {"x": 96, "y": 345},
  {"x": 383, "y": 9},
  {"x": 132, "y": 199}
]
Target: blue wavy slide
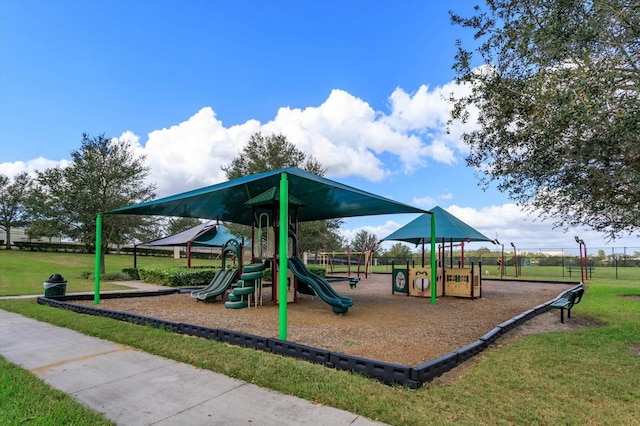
[{"x": 315, "y": 284}]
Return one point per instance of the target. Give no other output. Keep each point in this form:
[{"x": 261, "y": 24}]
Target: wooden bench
[
  {"x": 569, "y": 300},
  {"x": 353, "y": 281}
]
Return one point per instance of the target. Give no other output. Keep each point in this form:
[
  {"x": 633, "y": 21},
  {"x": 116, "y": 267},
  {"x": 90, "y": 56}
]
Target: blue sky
[{"x": 359, "y": 85}]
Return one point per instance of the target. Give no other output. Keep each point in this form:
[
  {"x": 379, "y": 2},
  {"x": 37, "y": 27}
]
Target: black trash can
[{"x": 56, "y": 285}]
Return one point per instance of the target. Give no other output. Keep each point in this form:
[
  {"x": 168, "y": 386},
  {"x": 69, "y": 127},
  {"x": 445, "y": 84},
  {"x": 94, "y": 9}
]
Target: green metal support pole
[
  {"x": 96, "y": 271},
  {"x": 282, "y": 254},
  {"x": 434, "y": 272}
]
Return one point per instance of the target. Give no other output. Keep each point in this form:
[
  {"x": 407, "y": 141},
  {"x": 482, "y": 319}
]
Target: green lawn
[
  {"x": 25, "y": 399},
  {"x": 549, "y": 273},
  {"x": 24, "y": 272},
  {"x": 588, "y": 376}
]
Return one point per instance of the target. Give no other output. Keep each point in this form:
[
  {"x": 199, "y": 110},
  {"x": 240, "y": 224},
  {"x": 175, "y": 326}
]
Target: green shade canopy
[
  {"x": 449, "y": 228},
  {"x": 316, "y": 198}
]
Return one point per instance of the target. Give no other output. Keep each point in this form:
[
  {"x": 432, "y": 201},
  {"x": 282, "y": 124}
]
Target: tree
[
  {"x": 559, "y": 107},
  {"x": 364, "y": 241},
  {"x": 399, "y": 252},
  {"x": 179, "y": 224},
  {"x": 42, "y": 219},
  {"x": 273, "y": 152},
  {"x": 320, "y": 235},
  {"x": 104, "y": 174},
  {"x": 13, "y": 195}
]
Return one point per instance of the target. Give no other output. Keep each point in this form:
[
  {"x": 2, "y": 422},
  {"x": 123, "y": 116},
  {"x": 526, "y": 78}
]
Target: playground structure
[
  {"x": 223, "y": 278},
  {"x": 248, "y": 290},
  {"x": 457, "y": 282},
  {"x": 452, "y": 280},
  {"x": 281, "y": 192},
  {"x": 265, "y": 241},
  {"x": 364, "y": 260}
]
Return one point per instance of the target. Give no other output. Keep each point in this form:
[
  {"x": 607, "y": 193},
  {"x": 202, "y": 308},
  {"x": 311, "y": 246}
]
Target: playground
[
  {"x": 381, "y": 326},
  {"x": 377, "y": 324}
]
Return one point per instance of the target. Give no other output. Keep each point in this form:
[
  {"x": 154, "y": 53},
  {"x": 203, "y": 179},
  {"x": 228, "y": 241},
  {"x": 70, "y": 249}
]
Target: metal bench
[{"x": 567, "y": 302}]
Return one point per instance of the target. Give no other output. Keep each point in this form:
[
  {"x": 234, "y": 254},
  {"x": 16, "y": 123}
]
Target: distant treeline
[{"x": 127, "y": 250}]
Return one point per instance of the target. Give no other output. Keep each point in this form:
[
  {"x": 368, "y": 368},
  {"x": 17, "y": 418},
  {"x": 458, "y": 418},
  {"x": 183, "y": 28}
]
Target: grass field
[
  {"x": 589, "y": 376},
  {"x": 551, "y": 273},
  {"x": 23, "y": 272}
]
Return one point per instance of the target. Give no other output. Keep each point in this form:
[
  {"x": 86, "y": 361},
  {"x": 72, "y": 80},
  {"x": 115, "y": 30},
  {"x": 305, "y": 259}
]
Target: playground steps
[{"x": 250, "y": 280}]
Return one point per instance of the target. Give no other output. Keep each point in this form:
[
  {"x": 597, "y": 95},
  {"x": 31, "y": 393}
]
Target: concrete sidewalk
[{"x": 135, "y": 388}]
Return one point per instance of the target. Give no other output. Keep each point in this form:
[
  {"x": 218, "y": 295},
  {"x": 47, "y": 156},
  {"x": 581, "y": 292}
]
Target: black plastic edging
[
  {"x": 243, "y": 339},
  {"x": 471, "y": 350},
  {"x": 429, "y": 370},
  {"x": 296, "y": 350},
  {"x": 388, "y": 373},
  {"x": 198, "y": 331}
]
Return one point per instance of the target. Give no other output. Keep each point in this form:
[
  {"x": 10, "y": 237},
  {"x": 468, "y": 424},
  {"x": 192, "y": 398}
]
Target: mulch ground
[{"x": 379, "y": 325}]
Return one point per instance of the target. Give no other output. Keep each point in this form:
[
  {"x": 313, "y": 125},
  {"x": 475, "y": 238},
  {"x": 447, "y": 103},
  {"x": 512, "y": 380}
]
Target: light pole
[
  {"x": 515, "y": 258},
  {"x": 501, "y": 267},
  {"x": 583, "y": 258},
  {"x": 580, "y": 251}
]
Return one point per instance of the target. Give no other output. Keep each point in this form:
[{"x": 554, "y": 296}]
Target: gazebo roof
[
  {"x": 448, "y": 227},
  {"x": 206, "y": 234}
]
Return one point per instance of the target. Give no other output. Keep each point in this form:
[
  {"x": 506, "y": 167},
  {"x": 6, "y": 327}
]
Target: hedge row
[
  {"x": 183, "y": 277},
  {"x": 177, "y": 277},
  {"x": 318, "y": 270}
]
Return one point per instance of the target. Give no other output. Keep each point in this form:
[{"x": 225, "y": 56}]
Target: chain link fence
[{"x": 543, "y": 264}]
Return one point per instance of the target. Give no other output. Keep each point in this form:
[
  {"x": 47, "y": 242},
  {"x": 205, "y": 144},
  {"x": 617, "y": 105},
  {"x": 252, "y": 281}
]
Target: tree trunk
[{"x": 8, "y": 242}]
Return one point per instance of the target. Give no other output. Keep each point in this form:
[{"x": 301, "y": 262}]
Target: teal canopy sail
[
  {"x": 449, "y": 228},
  {"x": 316, "y": 198}
]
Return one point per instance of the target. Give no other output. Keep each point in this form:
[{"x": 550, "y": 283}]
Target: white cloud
[
  {"x": 420, "y": 110},
  {"x": 509, "y": 223},
  {"x": 427, "y": 113},
  {"x": 31, "y": 166},
  {"x": 190, "y": 154},
  {"x": 349, "y": 138},
  {"x": 380, "y": 231},
  {"x": 344, "y": 133},
  {"x": 423, "y": 202}
]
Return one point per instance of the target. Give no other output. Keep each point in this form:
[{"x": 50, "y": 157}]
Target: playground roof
[
  {"x": 448, "y": 228},
  {"x": 206, "y": 234},
  {"x": 315, "y": 197}
]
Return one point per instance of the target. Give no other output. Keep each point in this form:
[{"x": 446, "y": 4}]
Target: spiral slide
[
  {"x": 221, "y": 281},
  {"x": 312, "y": 283}
]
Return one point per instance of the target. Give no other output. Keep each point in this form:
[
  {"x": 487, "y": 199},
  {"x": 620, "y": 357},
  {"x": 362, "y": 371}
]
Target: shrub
[
  {"x": 115, "y": 276},
  {"x": 132, "y": 273},
  {"x": 318, "y": 270},
  {"x": 177, "y": 277}
]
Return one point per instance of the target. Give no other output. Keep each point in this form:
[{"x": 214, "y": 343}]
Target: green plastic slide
[
  {"x": 310, "y": 281},
  {"x": 220, "y": 283}
]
